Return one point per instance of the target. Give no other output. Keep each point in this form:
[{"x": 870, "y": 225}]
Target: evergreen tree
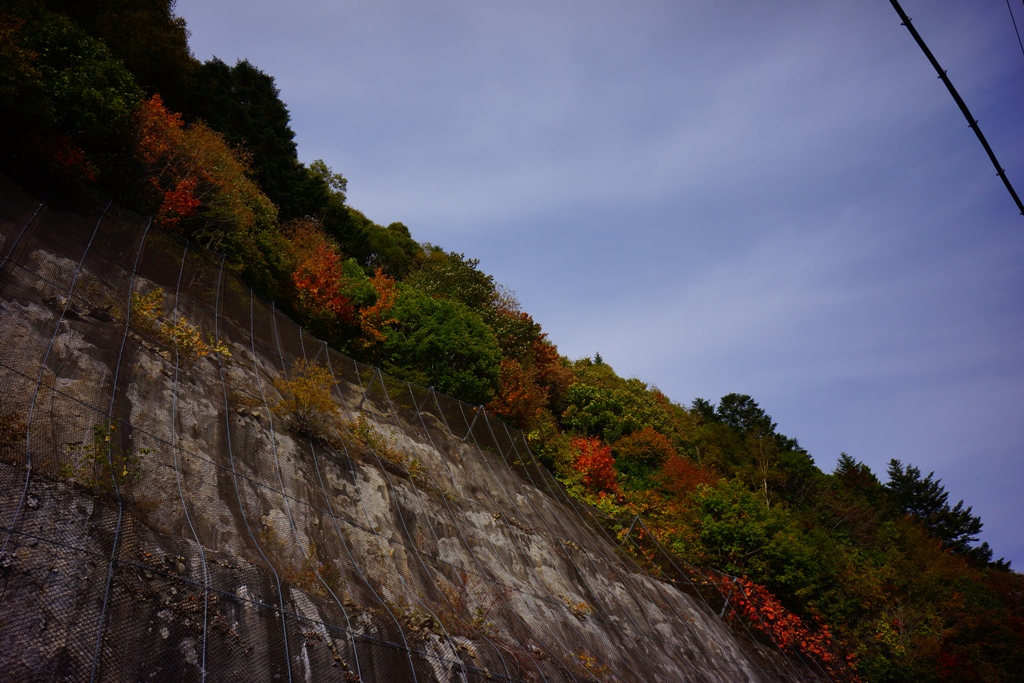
[
  {"x": 927, "y": 500},
  {"x": 244, "y": 104}
]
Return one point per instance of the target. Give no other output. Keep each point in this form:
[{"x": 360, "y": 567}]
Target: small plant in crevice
[
  {"x": 579, "y": 609},
  {"x": 592, "y": 665},
  {"x": 381, "y": 445},
  {"x": 309, "y": 573},
  {"x": 95, "y": 463},
  {"x": 470, "y": 605},
  {"x": 13, "y": 429},
  {"x": 384, "y": 448},
  {"x": 148, "y": 318},
  {"x": 306, "y": 404}
]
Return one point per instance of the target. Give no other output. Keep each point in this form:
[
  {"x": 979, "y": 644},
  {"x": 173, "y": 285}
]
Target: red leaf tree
[
  {"x": 595, "y": 464},
  {"x": 318, "y": 277}
]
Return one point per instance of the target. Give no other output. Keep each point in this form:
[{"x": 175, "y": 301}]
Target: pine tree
[{"x": 927, "y": 500}]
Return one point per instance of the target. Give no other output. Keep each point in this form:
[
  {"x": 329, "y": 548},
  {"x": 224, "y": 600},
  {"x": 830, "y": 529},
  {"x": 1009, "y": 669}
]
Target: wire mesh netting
[{"x": 167, "y": 514}]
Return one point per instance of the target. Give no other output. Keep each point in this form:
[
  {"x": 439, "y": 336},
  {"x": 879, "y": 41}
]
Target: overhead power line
[
  {"x": 1015, "y": 30},
  {"x": 960, "y": 103}
]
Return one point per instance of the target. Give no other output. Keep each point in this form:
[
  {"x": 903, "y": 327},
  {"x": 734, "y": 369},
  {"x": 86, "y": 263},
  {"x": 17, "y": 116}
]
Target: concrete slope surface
[{"x": 166, "y": 515}]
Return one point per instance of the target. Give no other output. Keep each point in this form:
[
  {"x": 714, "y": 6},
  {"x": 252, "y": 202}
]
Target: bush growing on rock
[{"x": 306, "y": 404}]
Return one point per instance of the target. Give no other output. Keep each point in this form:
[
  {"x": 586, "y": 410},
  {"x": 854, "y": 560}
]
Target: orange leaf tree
[
  {"x": 374, "y": 319},
  {"x": 199, "y": 186},
  {"x": 520, "y": 398},
  {"x": 595, "y": 466}
]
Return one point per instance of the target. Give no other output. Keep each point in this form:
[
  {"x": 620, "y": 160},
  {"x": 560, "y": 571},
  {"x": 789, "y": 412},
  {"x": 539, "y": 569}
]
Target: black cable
[
  {"x": 1015, "y": 27},
  {"x": 960, "y": 103}
]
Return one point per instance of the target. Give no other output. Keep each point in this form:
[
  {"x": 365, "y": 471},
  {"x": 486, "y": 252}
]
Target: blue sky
[{"x": 778, "y": 199}]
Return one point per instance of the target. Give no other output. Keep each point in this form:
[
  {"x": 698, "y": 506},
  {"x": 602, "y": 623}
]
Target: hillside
[{"x": 169, "y": 516}]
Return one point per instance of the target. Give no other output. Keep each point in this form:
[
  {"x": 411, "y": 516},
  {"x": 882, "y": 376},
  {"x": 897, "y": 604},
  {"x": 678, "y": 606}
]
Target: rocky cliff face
[{"x": 160, "y": 520}]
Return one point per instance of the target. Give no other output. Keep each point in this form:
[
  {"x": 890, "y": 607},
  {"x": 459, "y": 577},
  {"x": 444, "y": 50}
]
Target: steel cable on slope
[
  {"x": 177, "y": 467},
  {"x": 508, "y": 586},
  {"x": 335, "y": 517},
  {"x": 277, "y": 464},
  {"x": 408, "y": 535},
  {"x": 573, "y": 537},
  {"x": 241, "y": 502},
  {"x": 327, "y": 502},
  {"x": 31, "y": 219},
  {"x": 115, "y": 546},
  {"x": 497, "y": 512},
  {"x": 562, "y": 546},
  {"x": 337, "y": 385},
  {"x": 487, "y": 539},
  {"x": 465, "y": 574},
  {"x": 427, "y": 517},
  {"x": 39, "y": 380},
  {"x": 971, "y": 121}
]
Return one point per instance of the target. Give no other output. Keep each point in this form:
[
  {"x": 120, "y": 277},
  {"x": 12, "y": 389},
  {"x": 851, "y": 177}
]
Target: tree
[
  {"x": 705, "y": 409},
  {"x": 375, "y": 318},
  {"x": 336, "y": 183},
  {"x": 194, "y": 167},
  {"x": 741, "y": 412},
  {"x": 595, "y": 466},
  {"x": 442, "y": 343},
  {"x": 244, "y": 104},
  {"x": 519, "y": 398},
  {"x": 927, "y": 500},
  {"x": 681, "y": 477},
  {"x": 640, "y": 454},
  {"x": 67, "y": 99},
  {"x": 390, "y": 248},
  {"x": 319, "y": 279},
  {"x": 145, "y": 35},
  {"x": 613, "y": 413},
  {"x": 453, "y": 276}
]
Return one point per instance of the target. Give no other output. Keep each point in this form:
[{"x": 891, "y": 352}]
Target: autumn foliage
[
  {"x": 318, "y": 276},
  {"x": 306, "y": 404},
  {"x": 192, "y": 172},
  {"x": 756, "y": 606},
  {"x": 173, "y": 178},
  {"x": 596, "y": 466},
  {"x": 520, "y": 398},
  {"x": 374, "y": 319},
  {"x": 646, "y": 446},
  {"x": 681, "y": 476}
]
